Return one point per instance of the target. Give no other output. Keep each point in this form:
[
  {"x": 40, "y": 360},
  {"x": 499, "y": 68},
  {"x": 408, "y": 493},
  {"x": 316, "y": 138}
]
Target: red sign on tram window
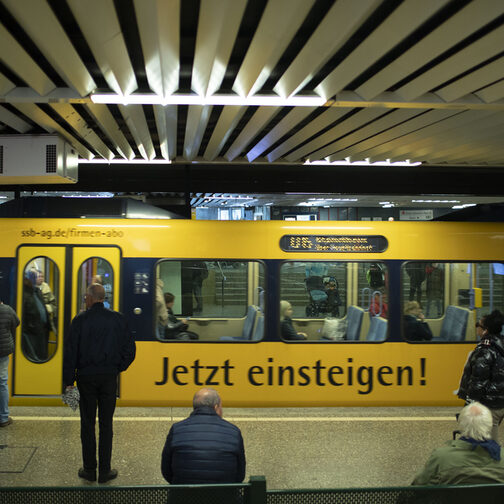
[{"x": 333, "y": 243}]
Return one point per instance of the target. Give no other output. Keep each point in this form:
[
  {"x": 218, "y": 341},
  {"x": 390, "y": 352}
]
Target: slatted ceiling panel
[
  {"x": 384, "y": 123},
  {"x": 344, "y": 17},
  {"x": 484, "y": 76},
  {"x": 218, "y": 24},
  {"x": 492, "y": 93},
  {"x": 228, "y": 120},
  {"x": 159, "y": 26},
  {"x": 321, "y": 122},
  {"x": 364, "y": 148},
  {"x": 465, "y": 59},
  {"x": 430, "y": 136},
  {"x": 41, "y": 25},
  {"x": 468, "y": 20},
  {"x": 166, "y": 123},
  {"x": 405, "y": 18},
  {"x": 109, "y": 126},
  {"x": 137, "y": 124},
  {"x": 383, "y": 151},
  {"x": 20, "y": 62},
  {"x": 358, "y": 119},
  {"x": 98, "y": 21},
  {"x": 277, "y": 27},
  {"x": 34, "y": 113},
  {"x": 294, "y": 117},
  {"x": 13, "y": 121},
  {"x": 5, "y": 85},
  {"x": 197, "y": 119},
  {"x": 68, "y": 113},
  {"x": 260, "y": 118}
]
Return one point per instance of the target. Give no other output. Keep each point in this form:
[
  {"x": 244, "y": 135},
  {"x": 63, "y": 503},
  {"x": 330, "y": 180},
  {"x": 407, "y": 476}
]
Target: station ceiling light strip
[
  {"x": 194, "y": 99},
  {"x": 363, "y": 162}
]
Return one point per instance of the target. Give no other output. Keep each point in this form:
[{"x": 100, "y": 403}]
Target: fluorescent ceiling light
[
  {"x": 465, "y": 205},
  {"x": 434, "y": 201},
  {"x": 124, "y": 161},
  {"x": 193, "y": 99},
  {"x": 364, "y": 162}
]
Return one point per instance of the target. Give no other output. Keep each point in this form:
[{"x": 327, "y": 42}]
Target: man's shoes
[
  {"x": 87, "y": 475},
  {"x": 7, "y": 422},
  {"x": 104, "y": 477}
]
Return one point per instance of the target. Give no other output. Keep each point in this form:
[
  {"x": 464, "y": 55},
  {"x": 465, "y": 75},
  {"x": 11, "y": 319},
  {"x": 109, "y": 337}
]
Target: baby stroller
[{"x": 318, "y": 297}]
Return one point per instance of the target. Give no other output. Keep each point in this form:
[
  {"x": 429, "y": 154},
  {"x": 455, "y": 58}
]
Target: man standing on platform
[
  {"x": 8, "y": 323},
  {"x": 204, "y": 448},
  {"x": 98, "y": 347}
]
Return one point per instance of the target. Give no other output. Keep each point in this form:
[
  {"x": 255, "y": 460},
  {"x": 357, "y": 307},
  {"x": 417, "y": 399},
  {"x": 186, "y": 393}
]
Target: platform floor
[{"x": 293, "y": 448}]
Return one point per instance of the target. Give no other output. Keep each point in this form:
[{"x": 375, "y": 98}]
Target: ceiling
[{"x": 398, "y": 80}]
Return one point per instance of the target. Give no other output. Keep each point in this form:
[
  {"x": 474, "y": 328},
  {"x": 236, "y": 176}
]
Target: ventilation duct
[{"x": 37, "y": 159}]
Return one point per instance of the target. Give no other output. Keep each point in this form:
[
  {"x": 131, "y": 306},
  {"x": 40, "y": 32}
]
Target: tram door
[{"x": 46, "y": 302}]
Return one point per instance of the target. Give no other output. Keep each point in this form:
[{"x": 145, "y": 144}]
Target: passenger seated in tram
[
  {"x": 415, "y": 329},
  {"x": 287, "y": 329},
  {"x": 175, "y": 328}
]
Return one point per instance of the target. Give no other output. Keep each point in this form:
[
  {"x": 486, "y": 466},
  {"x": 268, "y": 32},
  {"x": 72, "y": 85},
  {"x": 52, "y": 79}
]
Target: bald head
[
  {"x": 95, "y": 294},
  {"x": 208, "y": 397}
]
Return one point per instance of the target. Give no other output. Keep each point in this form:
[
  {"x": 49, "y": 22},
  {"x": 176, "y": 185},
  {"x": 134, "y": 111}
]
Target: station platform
[{"x": 292, "y": 447}]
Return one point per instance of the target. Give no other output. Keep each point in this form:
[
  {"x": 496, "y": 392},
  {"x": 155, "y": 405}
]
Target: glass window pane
[
  {"x": 39, "y": 324},
  {"x": 329, "y": 301},
  {"x": 209, "y": 300},
  {"x": 95, "y": 270}
]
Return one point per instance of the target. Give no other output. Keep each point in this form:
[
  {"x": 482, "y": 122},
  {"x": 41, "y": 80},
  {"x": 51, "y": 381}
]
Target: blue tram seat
[
  {"x": 354, "y": 317},
  {"x": 248, "y": 326},
  {"x": 454, "y": 324},
  {"x": 377, "y": 329},
  {"x": 259, "y": 328}
]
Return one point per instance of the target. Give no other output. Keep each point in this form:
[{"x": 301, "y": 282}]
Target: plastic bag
[{"x": 334, "y": 329}]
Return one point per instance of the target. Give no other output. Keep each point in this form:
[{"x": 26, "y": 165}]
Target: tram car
[{"x": 228, "y": 279}]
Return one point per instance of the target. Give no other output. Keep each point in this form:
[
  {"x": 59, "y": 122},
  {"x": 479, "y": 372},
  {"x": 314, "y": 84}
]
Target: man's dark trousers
[{"x": 97, "y": 390}]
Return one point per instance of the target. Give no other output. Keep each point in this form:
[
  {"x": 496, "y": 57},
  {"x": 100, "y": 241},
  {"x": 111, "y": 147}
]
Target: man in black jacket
[
  {"x": 204, "y": 448},
  {"x": 98, "y": 347}
]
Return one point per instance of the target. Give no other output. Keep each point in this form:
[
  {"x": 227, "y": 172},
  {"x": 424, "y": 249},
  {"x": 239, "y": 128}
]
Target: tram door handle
[{"x": 137, "y": 311}]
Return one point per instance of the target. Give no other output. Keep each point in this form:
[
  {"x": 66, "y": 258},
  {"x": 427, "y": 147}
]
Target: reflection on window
[
  {"x": 449, "y": 298},
  {"x": 209, "y": 300},
  {"x": 95, "y": 270},
  {"x": 39, "y": 321},
  {"x": 329, "y": 301}
]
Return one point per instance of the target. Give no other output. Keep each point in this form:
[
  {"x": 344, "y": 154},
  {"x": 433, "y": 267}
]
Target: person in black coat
[
  {"x": 98, "y": 347},
  {"x": 415, "y": 329},
  {"x": 483, "y": 376},
  {"x": 204, "y": 448},
  {"x": 286, "y": 328}
]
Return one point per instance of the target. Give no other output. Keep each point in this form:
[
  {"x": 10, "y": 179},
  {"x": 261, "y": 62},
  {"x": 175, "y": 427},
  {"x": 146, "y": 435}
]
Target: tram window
[
  {"x": 451, "y": 297},
  {"x": 39, "y": 321},
  {"x": 219, "y": 300},
  {"x": 324, "y": 296},
  {"x": 95, "y": 270}
]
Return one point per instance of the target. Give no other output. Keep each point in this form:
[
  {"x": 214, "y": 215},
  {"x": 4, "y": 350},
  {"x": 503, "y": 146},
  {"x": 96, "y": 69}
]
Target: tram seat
[
  {"x": 377, "y": 329},
  {"x": 454, "y": 324},
  {"x": 248, "y": 326},
  {"x": 355, "y": 314},
  {"x": 258, "y": 329}
]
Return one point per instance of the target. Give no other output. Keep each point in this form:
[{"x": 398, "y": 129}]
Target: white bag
[{"x": 334, "y": 329}]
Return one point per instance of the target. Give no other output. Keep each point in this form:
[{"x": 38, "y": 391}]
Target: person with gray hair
[
  {"x": 204, "y": 448},
  {"x": 474, "y": 458}
]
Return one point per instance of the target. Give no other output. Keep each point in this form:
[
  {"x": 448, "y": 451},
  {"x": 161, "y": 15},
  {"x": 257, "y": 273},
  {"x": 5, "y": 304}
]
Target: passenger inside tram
[
  {"x": 415, "y": 327},
  {"x": 287, "y": 329}
]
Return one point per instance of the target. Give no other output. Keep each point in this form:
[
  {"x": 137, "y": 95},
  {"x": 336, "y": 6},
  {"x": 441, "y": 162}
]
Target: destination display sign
[{"x": 334, "y": 243}]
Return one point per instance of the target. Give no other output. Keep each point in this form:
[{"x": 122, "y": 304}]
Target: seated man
[
  {"x": 475, "y": 458},
  {"x": 175, "y": 328},
  {"x": 204, "y": 448}
]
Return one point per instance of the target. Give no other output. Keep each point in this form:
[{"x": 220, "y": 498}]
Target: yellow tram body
[{"x": 268, "y": 372}]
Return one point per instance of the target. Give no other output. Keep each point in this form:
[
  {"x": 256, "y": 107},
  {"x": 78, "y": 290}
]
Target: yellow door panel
[{"x": 40, "y": 378}]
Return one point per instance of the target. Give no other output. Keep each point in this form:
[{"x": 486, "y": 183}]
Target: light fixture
[
  {"x": 194, "y": 99},
  {"x": 465, "y": 205},
  {"x": 434, "y": 201},
  {"x": 364, "y": 162},
  {"x": 124, "y": 161}
]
